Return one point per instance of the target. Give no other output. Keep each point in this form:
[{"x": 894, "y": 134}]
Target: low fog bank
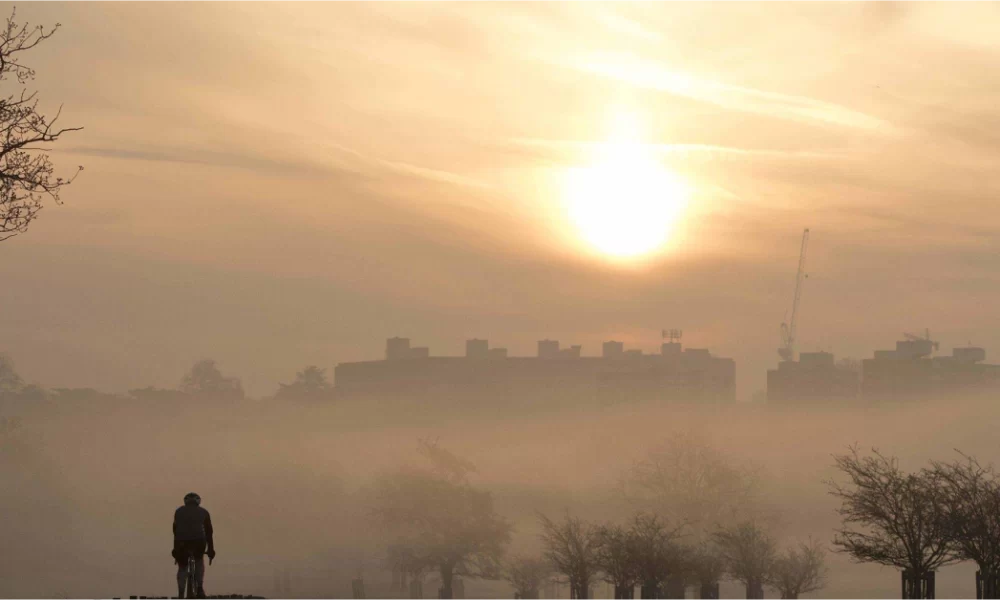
[{"x": 90, "y": 486}]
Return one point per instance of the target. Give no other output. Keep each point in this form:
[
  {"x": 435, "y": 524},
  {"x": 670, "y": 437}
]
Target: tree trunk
[
  {"x": 675, "y": 588},
  {"x": 987, "y": 583},
  {"x": 917, "y": 585},
  {"x": 624, "y": 592},
  {"x": 649, "y": 589},
  {"x": 755, "y": 589},
  {"x": 447, "y": 575},
  {"x": 710, "y": 590}
]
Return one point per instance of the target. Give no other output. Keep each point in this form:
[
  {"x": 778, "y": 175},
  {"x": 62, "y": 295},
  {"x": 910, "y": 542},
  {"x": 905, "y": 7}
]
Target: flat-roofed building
[
  {"x": 814, "y": 377},
  {"x": 910, "y": 372},
  {"x": 674, "y": 375}
]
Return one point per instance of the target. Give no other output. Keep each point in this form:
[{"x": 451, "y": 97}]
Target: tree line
[
  {"x": 650, "y": 554},
  {"x": 436, "y": 521}
]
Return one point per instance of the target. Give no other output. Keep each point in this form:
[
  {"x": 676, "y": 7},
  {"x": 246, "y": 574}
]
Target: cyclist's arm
[{"x": 208, "y": 532}]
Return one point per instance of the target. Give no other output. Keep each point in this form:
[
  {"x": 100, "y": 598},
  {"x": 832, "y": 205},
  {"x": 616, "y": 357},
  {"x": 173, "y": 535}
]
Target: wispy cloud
[
  {"x": 357, "y": 163},
  {"x": 680, "y": 149},
  {"x": 653, "y": 75}
]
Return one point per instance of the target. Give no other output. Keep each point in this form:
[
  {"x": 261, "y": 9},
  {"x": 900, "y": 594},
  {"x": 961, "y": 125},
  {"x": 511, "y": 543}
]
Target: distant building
[
  {"x": 619, "y": 375},
  {"x": 477, "y": 348},
  {"x": 612, "y": 349},
  {"x": 693, "y": 375},
  {"x": 398, "y": 348},
  {"x": 571, "y": 352},
  {"x": 548, "y": 349},
  {"x": 815, "y": 376},
  {"x": 910, "y": 372}
]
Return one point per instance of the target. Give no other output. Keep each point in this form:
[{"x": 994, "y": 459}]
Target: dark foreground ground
[{"x": 229, "y": 596}]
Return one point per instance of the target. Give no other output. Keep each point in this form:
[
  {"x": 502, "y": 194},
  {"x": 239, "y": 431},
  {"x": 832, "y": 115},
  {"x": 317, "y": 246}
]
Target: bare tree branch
[
  {"x": 749, "y": 553},
  {"x": 800, "y": 570},
  {"x": 526, "y": 575},
  {"x": 571, "y": 548},
  {"x": 891, "y": 517},
  {"x": 27, "y": 175},
  {"x": 971, "y": 509}
]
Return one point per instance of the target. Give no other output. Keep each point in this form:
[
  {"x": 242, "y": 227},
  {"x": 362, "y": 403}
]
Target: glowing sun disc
[{"x": 624, "y": 204}]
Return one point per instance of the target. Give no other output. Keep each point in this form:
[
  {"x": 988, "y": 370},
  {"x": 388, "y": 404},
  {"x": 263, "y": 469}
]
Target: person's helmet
[{"x": 192, "y": 498}]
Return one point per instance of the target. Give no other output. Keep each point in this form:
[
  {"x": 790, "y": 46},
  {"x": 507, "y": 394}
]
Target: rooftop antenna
[
  {"x": 787, "y": 349},
  {"x": 926, "y": 338}
]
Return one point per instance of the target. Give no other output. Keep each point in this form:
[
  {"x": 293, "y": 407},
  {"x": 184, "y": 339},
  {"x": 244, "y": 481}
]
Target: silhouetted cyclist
[{"x": 192, "y": 532}]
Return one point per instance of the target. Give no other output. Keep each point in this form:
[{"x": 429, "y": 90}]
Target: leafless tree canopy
[
  {"x": 10, "y": 381},
  {"x": 310, "y": 385},
  {"x": 705, "y": 563},
  {"x": 27, "y": 175},
  {"x": 694, "y": 484},
  {"x": 526, "y": 575},
  {"x": 205, "y": 379},
  {"x": 657, "y": 551},
  {"x": 799, "y": 570},
  {"x": 749, "y": 554},
  {"x": 617, "y": 558},
  {"x": 441, "y": 523},
  {"x": 972, "y": 510},
  {"x": 890, "y": 517},
  {"x": 571, "y": 547}
]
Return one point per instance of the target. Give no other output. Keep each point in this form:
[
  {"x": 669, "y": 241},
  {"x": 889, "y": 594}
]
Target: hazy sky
[{"x": 276, "y": 185}]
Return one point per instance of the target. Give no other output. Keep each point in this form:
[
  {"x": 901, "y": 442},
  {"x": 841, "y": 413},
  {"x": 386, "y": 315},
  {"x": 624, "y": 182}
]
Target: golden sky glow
[
  {"x": 275, "y": 185},
  {"x": 623, "y": 202}
]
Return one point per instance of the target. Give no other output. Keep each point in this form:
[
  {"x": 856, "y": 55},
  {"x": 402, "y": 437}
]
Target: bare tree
[
  {"x": 571, "y": 548},
  {"x": 658, "y": 556},
  {"x": 617, "y": 559},
  {"x": 27, "y": 175},
  {"x": 526, "y": 575},
  {"x": 205, "y": 379},
  {"x": 799, "y": 570},
  {"x": 901, "y": 517},
  {"x": 10, "y": 381},
  {"x": 441, "y": 523},
  {"x": 972, "y": 516},
  {"x": 748, "y": 552},
  {"x": 310, "y": 384},
  {"x": 690, "y": 482},
  {"x": 706, "y": 565}
]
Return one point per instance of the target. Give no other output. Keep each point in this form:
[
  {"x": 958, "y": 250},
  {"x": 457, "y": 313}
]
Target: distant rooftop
[{"x": 398, "y": 348}]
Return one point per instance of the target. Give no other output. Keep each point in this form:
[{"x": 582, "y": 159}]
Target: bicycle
[{"x": 191, "y": 577}]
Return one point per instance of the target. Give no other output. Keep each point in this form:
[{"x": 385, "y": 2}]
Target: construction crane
[{"x": 787, "y": 349}]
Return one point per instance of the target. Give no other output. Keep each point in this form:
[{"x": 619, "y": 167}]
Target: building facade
[
  {"x": 910, "y": 372},
  {"x": 674, "y": 375},
  {"x": 815, "y": 377}
]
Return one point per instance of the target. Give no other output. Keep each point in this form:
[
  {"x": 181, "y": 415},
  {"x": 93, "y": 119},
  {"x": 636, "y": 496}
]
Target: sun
[{"x": 624, "y": 204}]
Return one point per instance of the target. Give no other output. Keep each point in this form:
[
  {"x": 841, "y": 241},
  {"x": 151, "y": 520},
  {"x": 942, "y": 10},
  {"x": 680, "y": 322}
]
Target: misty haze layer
[{"x": 90, "y": 488}]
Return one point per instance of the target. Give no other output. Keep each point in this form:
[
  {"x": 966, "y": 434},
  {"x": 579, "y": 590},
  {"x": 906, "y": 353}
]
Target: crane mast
[{"x": 787, "y": 349}]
